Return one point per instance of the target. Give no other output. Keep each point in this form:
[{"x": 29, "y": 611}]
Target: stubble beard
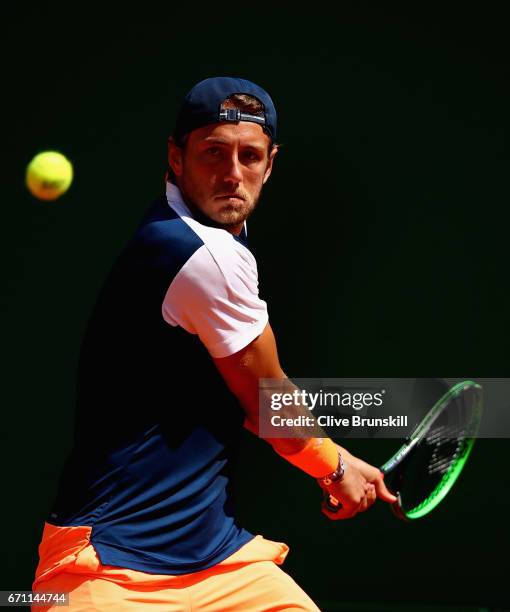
[{"x": 228, "y": 216}]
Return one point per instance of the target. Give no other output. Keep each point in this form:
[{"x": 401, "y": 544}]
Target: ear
[
  {"x": 174, "y": 157},
  {"x": 269, "y": 168}
]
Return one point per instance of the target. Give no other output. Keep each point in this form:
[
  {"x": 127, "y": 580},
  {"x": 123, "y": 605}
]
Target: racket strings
[
  {"x": 444, "y": 454},
  {"x": 438, "y": 457},
  {"x": 446, "y": 439}
]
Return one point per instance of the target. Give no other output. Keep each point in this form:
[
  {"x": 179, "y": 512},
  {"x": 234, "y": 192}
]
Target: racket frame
[{"x": 451, "y": 475}]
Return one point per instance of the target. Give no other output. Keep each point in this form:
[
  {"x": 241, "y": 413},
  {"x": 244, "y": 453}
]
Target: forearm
[
  {"x": 300, "y": 440},
  {"x": 304, "y": 442}
]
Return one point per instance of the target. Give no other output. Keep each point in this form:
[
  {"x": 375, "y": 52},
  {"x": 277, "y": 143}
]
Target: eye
[
  {"x": 213, "y": 151},
  {"x": 251, "y": 156}
]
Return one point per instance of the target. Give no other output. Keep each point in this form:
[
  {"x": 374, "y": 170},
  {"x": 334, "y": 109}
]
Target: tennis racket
[{"x": 423, "y": 471}]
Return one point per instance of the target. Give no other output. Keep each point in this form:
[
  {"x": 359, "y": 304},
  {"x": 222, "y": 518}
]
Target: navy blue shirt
[{"x": 156, "y": 428}]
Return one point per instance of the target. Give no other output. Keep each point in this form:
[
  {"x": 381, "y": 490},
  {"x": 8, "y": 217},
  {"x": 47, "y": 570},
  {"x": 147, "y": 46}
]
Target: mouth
[{"x": 229, "y": 197}]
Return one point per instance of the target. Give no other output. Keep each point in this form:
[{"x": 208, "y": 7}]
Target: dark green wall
[{"x": 381, "y": 241}]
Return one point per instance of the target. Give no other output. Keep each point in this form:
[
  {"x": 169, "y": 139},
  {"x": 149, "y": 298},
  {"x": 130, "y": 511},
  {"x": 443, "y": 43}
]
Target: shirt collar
[{"x": 176, "y": 201}]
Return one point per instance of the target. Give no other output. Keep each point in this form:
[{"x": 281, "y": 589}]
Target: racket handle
[{"x": 331, "y": 503}]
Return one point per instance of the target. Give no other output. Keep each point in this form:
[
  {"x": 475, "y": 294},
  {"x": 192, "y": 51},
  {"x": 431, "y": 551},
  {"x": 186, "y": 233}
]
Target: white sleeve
[{"x": 216, "y": 297}]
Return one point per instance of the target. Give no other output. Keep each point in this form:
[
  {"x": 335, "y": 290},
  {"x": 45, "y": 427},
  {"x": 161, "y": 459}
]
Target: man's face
[{"x": 221, "y": 170}]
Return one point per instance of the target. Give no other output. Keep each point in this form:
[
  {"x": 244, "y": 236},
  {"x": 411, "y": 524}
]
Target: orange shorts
[{"x": 248, "y": 580}]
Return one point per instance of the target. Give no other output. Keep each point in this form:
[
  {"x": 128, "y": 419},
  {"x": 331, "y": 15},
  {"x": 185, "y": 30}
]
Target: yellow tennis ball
[{"x": 49, "y": 175}]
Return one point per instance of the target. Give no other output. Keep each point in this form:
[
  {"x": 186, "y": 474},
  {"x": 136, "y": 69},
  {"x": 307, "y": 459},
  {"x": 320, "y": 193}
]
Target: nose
[{"x": 233, "y": 172}]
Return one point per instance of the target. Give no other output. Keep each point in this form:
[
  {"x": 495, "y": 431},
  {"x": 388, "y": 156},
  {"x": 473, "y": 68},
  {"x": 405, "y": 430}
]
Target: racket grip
[{"x": 331, "y": 503}]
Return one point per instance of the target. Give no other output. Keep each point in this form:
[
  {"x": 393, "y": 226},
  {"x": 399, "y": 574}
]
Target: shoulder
[
  {"x": 163, "y": 240},
  {"x": 196, "y": 253},
  {"x": 224, "y": 260},
  {"x": 163, "y": 228}
]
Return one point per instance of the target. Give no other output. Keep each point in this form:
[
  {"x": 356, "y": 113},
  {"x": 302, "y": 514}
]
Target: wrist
[{"x": 335, "y": 476}]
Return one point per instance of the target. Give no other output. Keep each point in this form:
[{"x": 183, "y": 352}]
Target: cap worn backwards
[{"x": 202, "y": 106}]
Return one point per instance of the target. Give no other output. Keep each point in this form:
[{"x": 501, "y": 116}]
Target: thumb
[{"x": 382, "y": 491}]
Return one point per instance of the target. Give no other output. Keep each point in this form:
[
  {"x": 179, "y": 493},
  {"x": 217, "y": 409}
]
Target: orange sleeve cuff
[{"x": 318, "y": 458}]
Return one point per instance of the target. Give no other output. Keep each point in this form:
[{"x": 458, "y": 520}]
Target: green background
[{"x": 381, "y": 241}]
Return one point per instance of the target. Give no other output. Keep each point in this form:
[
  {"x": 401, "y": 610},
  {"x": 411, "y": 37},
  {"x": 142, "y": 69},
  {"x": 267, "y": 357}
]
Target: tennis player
[{"x": 168, "y": 375}]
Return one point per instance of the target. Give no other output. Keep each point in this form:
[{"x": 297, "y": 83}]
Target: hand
[
  {"x": 359, "y": 488},
  {"x": 372, "y": 475}
]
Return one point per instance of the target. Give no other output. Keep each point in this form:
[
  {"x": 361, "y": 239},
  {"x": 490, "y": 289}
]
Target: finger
[
  {"x": 382, "y": 491},
  {"x": 363, "y": 507},
  {"x": 371, "y": 496}
]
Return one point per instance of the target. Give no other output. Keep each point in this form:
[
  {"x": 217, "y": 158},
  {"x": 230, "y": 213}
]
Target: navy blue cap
[{"x": 202, "y": 106}]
